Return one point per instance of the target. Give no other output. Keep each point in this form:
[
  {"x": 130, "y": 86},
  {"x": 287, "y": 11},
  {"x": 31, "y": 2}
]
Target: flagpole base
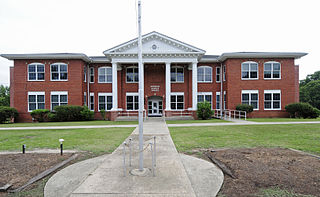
[{"x": 137, "y": 172}]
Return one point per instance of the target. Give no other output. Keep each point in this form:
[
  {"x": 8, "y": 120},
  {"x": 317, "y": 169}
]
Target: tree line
[{"x": 310, "y": 89}]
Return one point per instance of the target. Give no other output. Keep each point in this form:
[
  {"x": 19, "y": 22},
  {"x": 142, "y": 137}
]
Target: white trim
[
  {"x": 224, "y": 70},
  {"x": 132, "y": 94},
  {"x": 204, "y": 67},
  {"x": 272, "y": 62},
  {"x": 36, "y": 94},
  {"x": 168, "y": 85},
  {"x": 218, "y": 74},
  {"x": 250, "y": 62},
  {"x": 59, "y": 93},
  {"x": 194, "y": 85},
  {"x": 105, "y": 94},
  {"x": 91, "y": 94},
  {"x": 59, "y": 72},
  {"x": 36, "y": 65},
  {"x": 271, "y": 92},
  {"x": 105, "y": 75},
  {"x": 91, "y": 68},
  {"x": 218, "y": 100},
  {"x": 251, "y": 92},
  {"x": 177, "y": 94}
]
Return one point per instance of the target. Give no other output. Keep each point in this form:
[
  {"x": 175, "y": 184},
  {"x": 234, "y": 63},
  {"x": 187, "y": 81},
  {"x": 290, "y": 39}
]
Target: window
[
  {"x": 205, "y": 96},
  {"x": 217, "y": 100},
  {"x": 272, "y": 70},
  {"x": 105, "y": 75},
  {"x": 105, "y": 101},
  {"x": 224, "y": 99},
  {"x": 272, "y": 99},
  {"x": 250, "y": 97},
  {"x": 132, "y": 101},
  {"x": 84, "y": 99},
  {"x": 204, "y": 74},
  {"x": 249, "y": 70},
  {"x": 132, "y": 75},
  {"x": 85, "y": 73},
  {"x": 224, "y": 73},
  {"x": 218, "y": 74},
  {"x": 59, "y": 72},
  {"x": 36, "y": 72},
  {"x": 177, "y": 74},
  {"x": 59, "y": 98},
  {"x": 177, "y": 101},
  {"x": 91, "y": 75},
  {"x": 91, "y": 101},
  {"x": 36, "y": 100}
]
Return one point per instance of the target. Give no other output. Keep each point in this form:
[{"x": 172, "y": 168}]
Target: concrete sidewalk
[{"x": 175, "y": 175}]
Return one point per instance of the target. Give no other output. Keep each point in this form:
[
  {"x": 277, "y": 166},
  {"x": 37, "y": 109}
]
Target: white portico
[{"x": 157, "y": 49}]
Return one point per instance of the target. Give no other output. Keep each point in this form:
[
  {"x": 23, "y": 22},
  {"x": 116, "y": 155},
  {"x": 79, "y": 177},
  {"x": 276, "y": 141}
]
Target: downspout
[
  {"x": 221, "y": 90},
  {"x": 88, "y": 86}
]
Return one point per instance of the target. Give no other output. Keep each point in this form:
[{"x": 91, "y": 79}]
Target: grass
[
  {"x": 282, "y": 119},
  {"x": 79, "y": 123},
  {"x": 304, "y": 137},
  {"x": 97, "y": 140},
  {"x": 277, "y": 192},
  {"x": 195, "y": 121}
]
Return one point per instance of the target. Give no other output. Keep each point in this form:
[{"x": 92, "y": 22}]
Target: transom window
[
  {"x": 204, "y": 74},
  {"x": 36, "y": 100},
  {"x": 132, "y": 101},
  {"x": 205, "y": 96},
  {"x": 272, "y": 70},
  {"x": 91, "y": 75},
  {"x": 249, "y": 70},
  {"x": 177, "y": 101},
  {"x": 177, "y": 74},
  {"x": 59, "y": 72},
  {"x": 250, "y": 97},
  {"x": 58, "y": 98},
  {"x": 132, "y": 75},
  {"x": 272, "y": 99},
  {"x": 36, "y": 72},
  {"x": 105, "y": 75},
  {"x": 105, "y": 101}
]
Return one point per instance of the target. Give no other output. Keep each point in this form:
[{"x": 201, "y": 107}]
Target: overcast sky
[{"x": 92, "y": 26}]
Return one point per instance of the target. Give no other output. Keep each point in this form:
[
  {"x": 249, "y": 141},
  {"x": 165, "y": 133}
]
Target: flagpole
[{"x": 141, "y": 89}]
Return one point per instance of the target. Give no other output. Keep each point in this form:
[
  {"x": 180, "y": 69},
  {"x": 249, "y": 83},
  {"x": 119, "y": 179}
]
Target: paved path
[
  {"x": 239, "y": 123},
  {"x": 175, "y": 174}
]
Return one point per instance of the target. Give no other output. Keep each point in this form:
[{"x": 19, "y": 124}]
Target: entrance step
[
  {"x": 127, "y": 118},
  {"x": 179, "y": 118}
]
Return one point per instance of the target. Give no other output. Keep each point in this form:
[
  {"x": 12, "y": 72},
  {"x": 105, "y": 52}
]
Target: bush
[
  {"x": 204, "y": 111},
  {"x": 71, "y": 113},
  {"x": 7, "y": 114},
  {"x": 40, "y": 115},
  {"x": 103, "y": 114},
  {"x": 302, "y": 110},
  {"x": 245, "y": 107}
]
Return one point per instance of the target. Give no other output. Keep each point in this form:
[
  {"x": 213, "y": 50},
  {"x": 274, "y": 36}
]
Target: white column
[
  {"x": 168, "y": 86},
  {"x": 194, "y": 85},
  {"x": 114, "y": 86}
]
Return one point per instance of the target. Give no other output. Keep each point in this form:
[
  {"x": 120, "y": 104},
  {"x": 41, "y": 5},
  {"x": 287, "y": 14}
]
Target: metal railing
[
  {"x": 132, "y": 114},
  {"x": 230, "y": 114},
  {"x": 181, "y": 113}
]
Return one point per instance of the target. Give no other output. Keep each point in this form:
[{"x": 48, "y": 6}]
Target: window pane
[
  {"x": 254, "y": 67},
  {"x": 208, "y": 98},
  {"x": 276, "y": 66},
  {"x": 245, "y": 102},
  {"x": 173, "y": 106},
  {"x": 244, "y": 75},
  {"x": 276, "y": 104},
  {"x": 91, "y": 99},
  {"x": 102, "y": 78},
  {"x": 200, "y": 98},
  {"x": 208, "y": 78},
  {"x": 245, "y": 67},
  {"x": 109, "y": 99},
  {"x": 55, "y": 76},
  {"x": 276, "y": 96},
  {"x": 53, "y": 105},
  {"x": 101, "y": 71},
  {"x": 91, "y": 78},
  {"x": 40, "y": 98},
  {"x": 200, "y": 78},
  {"x": 267, "y": 104},
  {"x": 109, "y": 106},
  {"x": 180, "y": 70},
  {"x": 180, "y": 77},
  {"x": 129, "y": 98},
  {"x": 173, "y": 98},
  {"x": 109, "y": 78},
  {"x": 40, "y": 76},
  {"x": 32, "y": 76},
  {"x": 245, "y": 97},
  {"x": 254, "y": 104},
  {"x": 91, "y": 71},
  {"x": 129, "y": 70},
  {"x": 267, "y": 96},
  {"x": 136, "y": 106},
  {"x": 254, "y": 97},
  {"x": 200, "y": 71},
  {"x": 63, "y": 68},
  {"x": 32, "y": 106},
  {"x": 32, "y": 98},
  {"x": 40, "y": 68},
  {"x": 129, "y": 106},
  {"x": 276, "y": 74},
  {"x": 102, "y": 106},
  {"x": 54, "y": 98},
  {"x": 54, "y": 68},
  {"x": 32, "y": 68},
  {"x": 218, "y": 77},
  {"x": 40, "y": 105},
  {"x": 218, "y": 70},
  {"x": 253, "y": 74},
  {"x": 129, "y": 77},
  {"x": 173, "y": 77},
  {"x": 267, "y": 74},
  {"x": 267, "y": 67},
  {"x": 179, "y": 98},
  {"x": 179, "y": 105},
  {"x": 63, "y": 98},
  {"x": 136, "y": 78},
  {"x": 109, "y": 71},
  {"x": 63, "y": 76}
]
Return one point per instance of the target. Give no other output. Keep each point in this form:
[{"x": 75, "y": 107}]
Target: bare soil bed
[
  {"x": 260, "y": 168},
  {"x": 17, "y": 169}
]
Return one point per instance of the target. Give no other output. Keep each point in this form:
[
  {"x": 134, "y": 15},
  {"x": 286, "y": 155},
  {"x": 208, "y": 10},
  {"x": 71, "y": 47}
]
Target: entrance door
[{"x": 154, "y": 108}]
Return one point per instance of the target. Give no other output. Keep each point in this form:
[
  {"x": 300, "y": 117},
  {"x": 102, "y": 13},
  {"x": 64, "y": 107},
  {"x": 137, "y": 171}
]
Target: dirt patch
[
  {"x": 260, "y": 168},
  {"x": 17, "y": 169}
]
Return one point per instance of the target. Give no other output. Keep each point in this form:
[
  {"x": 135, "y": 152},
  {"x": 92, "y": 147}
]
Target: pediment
[{"x": 154, "y": 43}]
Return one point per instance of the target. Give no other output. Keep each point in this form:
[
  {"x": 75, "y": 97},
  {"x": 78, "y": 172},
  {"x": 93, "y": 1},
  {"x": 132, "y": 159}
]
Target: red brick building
[{"x": 176, "y": 77}]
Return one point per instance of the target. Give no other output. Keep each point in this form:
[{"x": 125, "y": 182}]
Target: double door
[{"x": 154, "y": 108}]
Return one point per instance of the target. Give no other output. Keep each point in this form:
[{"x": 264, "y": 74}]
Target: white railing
[
  {"x": 230, "y": 114},
  {"x": 132, "y": 113},
  {"x": 178, "y": 113}
]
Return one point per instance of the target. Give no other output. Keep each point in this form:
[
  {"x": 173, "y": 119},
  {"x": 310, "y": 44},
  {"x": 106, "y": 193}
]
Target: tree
[
  {"x": 310, "y": 93},
  {"x": 4, "y": 95},
  {"x": 312, "y": 77}
]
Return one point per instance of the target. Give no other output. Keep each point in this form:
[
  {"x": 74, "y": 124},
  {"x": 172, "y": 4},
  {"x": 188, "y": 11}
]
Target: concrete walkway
[
  {"x": 239, "y": 123},
  {"x": 175, "y": 174}
]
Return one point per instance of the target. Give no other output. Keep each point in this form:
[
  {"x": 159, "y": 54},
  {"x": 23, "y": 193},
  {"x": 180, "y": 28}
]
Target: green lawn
[
  {"x": 79, "y": 123},
  {"x": 281, "y": 119},
  {"x": 96, "y": 140},
  {"x": 305, "y": 137},
  {"x": 195, "y": 121}
]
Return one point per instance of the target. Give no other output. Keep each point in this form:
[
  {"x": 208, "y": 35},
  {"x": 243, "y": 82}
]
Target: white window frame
[
  {"x": 85, "y": 73},
  {"x": 218, "y": 100},
  {"x": 36, "y": 71},
  {"x": 218, "y": 74},
  {"x": 224, "y": 72},
  {"x": 37, "y": 103},
  {"x": 176, "y": 74},
  {"x": 59, "y": 71},
  {"x": 177, "y": 94},
  {"x": 272, "y": 92},
  {"x": 205, "y": 74},
  {"x": 105, "y": 74},
  {"x": 251, "y": 92},
  {"x": 134, "y": 73},
  {"x": 105, "y": 95},
  {"x": 132, "y": 94},
  {"x": 250, "y": 62},
  {"x": 91, "y": 95},
  {"x": 85, "y": 99},
  {"x": 272, "y": 78},
  {"x": 204, "y": 94},
  {"x": 91, "y": 74},
  {"x": 59, "y": 93}
]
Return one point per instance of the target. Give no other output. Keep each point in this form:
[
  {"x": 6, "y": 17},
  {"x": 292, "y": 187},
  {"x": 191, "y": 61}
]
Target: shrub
[
  {"x": 40, "y": 115},
  {"x": 204, "y": 111},
  {"x": 103, "y": 114},
  {"x": 302, "y": 110},
  {"x": 71, "y": 113},
  {"x": 245, "y": 107},
  {"x": 7, "y": 114}
]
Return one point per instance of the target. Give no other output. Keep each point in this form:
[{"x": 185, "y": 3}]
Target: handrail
[{"x": 230, "y": 114}]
